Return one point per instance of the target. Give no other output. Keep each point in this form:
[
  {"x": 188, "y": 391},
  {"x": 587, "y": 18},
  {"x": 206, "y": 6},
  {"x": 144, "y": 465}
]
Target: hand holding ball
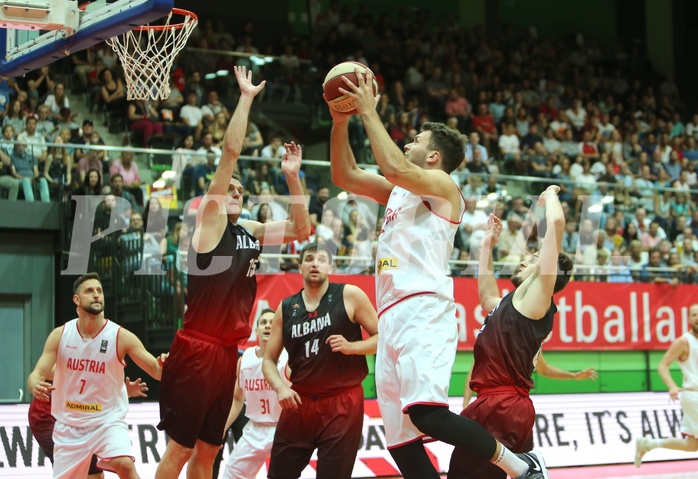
[{"x": 333, "y": 82}]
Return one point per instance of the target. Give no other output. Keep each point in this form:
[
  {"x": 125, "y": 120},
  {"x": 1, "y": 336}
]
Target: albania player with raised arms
[
  {"x": 198, "y": 378},
  {"x": 509, "y": 343},
  {"x": 320, "y": 327}
]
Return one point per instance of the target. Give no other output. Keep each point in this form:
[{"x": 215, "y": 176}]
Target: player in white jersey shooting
[
  {"x": 89, "y": 399},
  {"x": 684, "y": 349},
  {"x": 263, "y": 408},
  {"x": 414, "y": 292}
]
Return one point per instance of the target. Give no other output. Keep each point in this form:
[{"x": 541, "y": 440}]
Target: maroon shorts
[
  {"x": 196, "y": 391},
  {"x": 41, "y": 424},
  {"x": 332, "y": 425},
  {"x": 508, "y": 414}
]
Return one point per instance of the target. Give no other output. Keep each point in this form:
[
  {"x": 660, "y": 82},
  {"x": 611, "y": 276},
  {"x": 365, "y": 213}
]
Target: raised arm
[
  {"x": 288, "y": 398},
  {"x": 487, "y": 288},
  {"x": 131, "y": 345},
  {"x": 214, "y": 218},
  {"x": 297, "y": 226},
  {"x": 361, "y": 311},
  {"x": 345, "y": 172},
  {"x": 539, "y": 287},
  {"x": 393, "y": 163},
  {"x": 36, "y": 382},
  {"x": 238, "y": 401},
  {"x": 677, "y": 351}
]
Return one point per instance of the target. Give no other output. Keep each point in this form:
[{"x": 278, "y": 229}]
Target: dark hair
[
  {"x": 314, "y": 247},
  {"x": 449, "y": 143},
  {"x": 262, "y": 313},
  {"x": 114, "y": 176},
  {"x": 86, "y": 182},
  {"x": 565, "y": 265},
  {"x": 82, "y": 279}
]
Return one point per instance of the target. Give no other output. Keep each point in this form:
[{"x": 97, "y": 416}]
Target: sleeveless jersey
[
  {"x": 414, "y": 248},
  {"x": 261, "y": 401},
  {"x": 689, "y": 367},
  {"x": 220, "y": 301},
  {"x": 89, "y": 378},
  {"x": 507, "y": 347},
  {"x": 315, "y": 369}
]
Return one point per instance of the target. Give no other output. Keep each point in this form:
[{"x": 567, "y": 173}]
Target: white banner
[{"x": 570, "y": 430}]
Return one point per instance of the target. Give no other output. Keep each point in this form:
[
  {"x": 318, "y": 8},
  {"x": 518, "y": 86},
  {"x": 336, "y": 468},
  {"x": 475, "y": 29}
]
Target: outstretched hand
[
  {"x": 550, "y": 190},
  {"x": 586, "y": 374},
  {"x": 492, "y": 230},
  {"x": 136, "y": 388},
  {"x": 244, "y": 78},
  {"x": 364, "y": 99},
  {"x": 291, "y": 161}
]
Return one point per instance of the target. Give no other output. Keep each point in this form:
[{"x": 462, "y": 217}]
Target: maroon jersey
[
  {"x": 507, "y": 345},
  {"x": 220, "y": 300},
  {"x": 315, "y": 369}
]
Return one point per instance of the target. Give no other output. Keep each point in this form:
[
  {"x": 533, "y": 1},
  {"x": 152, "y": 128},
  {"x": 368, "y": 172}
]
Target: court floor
[{"x": 650, "y": 470}]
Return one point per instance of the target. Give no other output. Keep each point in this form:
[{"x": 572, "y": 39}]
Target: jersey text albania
[
  {"x": 222, "y": 287},
  {"x": 315, "y": 369}
]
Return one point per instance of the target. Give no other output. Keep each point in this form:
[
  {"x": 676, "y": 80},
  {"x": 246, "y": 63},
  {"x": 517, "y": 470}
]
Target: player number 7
[{"x": 82, "y": 388}]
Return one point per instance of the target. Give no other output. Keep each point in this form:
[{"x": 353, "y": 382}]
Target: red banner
[{"x": 592, "y": 316}]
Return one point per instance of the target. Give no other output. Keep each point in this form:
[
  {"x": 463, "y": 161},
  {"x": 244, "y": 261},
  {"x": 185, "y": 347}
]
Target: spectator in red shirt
[{"x": 483, "y": 123}]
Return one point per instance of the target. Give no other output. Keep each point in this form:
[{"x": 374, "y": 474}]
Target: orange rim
[{"x": 190, "y": 17}]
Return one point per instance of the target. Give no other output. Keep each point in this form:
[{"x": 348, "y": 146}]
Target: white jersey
[
  {"x": 261, "y": 400},
  {"x": 689, "y": 368},
  {"x": 414, "y": 248},
  {"x": 89, "y": 378}
]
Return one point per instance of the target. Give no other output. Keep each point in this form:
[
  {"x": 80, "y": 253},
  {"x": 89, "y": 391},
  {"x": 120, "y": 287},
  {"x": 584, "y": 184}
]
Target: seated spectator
[
  {"x": 116, "y": 188},
  {"x": 275, "y": 149},
  {"x": 92, "y": 184},
  {"x": 202, "y": 174},
  {"x": 483, "y": 124},
  {"x": 67, "y": 121},
  {"x": 113, "y": 92},
  {"x": 128, "y": 169},
  {"x": 214, "y": 107},
  {"x": 208, "y": 149},
  {"x": 183, "y": 163},
  {"x": 218, "y": 129},
  {"x": 144, "y": 118},
  {"x": 648, "y": 274},
  {"x": 457, "y": 106},
  {"x": 14, "y": 117},
  {"x": 44, "y": 126},
  {"x": 169, "y": 246},
  {"x": 510, "y": 148},
  {"x": 253, "y": 140},
  {"x": 25, "y": 168},
  {"x": 92, "y": 158},
  {"x": 35, "y": 143},
  {"x": 104, "y": 219},
  {"x": 40, "y": 84},
  {"x": 474, "y": 144},
  {"x": 8, "y": 90},
  {"x": 155, "y": 218},
  {"x": 57, "y": 100},
  {"x": 570, "y": 238},
  {"x": 7, "y": 180},
  {"x": 576, "y": 114},
  {"x": 59, "y": 165},
  {"x": 262, "y": 178},
  {"x": 192, "y": 116}
]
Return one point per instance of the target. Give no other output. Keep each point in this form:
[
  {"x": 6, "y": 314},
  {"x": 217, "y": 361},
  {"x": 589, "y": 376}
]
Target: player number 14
[{"x": 312, "y": 349}]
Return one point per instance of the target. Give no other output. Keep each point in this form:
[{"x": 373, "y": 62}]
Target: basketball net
[{"x": 147, "y": 53}]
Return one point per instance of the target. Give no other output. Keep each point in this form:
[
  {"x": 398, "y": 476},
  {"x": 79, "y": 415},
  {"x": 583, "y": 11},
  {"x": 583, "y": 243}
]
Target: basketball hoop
[{"x": 147, "y": 53}]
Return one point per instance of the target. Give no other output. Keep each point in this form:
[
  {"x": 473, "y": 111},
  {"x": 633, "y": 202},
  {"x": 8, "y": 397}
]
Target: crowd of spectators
[{"x": 618, "y": 139}]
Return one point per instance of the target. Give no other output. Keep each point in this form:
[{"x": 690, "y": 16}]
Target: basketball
[{"x": 333, "y": 82}]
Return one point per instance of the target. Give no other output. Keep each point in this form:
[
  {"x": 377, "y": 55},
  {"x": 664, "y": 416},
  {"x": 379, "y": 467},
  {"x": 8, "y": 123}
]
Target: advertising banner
[{"x": 570, "y": 430}]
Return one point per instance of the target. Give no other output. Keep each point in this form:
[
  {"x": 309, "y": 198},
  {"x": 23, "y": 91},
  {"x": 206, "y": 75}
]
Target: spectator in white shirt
[
  {"x": 192, "y": 115},
  {"x": 208, "y": 148}
]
